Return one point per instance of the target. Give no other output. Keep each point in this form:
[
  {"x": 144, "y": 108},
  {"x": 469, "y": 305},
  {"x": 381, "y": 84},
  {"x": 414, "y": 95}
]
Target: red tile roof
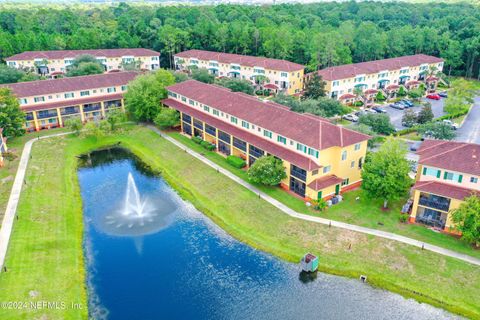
[
  {"x": 443, "y": 189},
  {"x": 451, "y": 155},
  {"x": 44, "y": 87},
  {"x": 62, "y": 54},
  {"x": 313, "y": 131},
  {"x": 371, "y": 91},
  {"x": 272, "y": 148},
  {"x": 413, "y": 82},
  {"x": 324, "y": 182},
  {"x": 271, "y": 86},
  {"x": 393, "y": 87},
  {"x": 351, "y": 70},
  {"x": 346, "y": 96},
  {"x": 249, "y": 61},
  {"x": 72, "y": 102}
]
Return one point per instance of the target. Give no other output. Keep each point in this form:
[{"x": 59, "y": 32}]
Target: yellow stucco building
[
  {"x": 49, "y": 103},
  {"x": 320, "y": 158},
  {"x": 448, "y": 172},
  {"x": 283, "y": 76},
  {"x": 345, "y": 82},
  {"x": 55, "y": 63}
]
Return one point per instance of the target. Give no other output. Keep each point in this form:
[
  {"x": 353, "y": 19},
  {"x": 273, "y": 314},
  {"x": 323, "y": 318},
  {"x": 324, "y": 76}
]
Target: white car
[
  {"x": 350, "y": 117},
  {"x": 452, "y": 124}
]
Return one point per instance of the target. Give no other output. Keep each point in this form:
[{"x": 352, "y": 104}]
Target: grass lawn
[
  {"x": 365, "y": 212},
  {"x": 7, "y": 172},
  {"x": 45, "y": 251}
]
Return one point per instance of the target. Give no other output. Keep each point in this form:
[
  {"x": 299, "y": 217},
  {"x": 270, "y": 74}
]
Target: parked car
[
  {"x": 452, "y": 124},
  {"x": 379, "y": 109},
  {"x": 350, "y": 117},
  {"x": 398, "y": 106},
  {"x": 370, "y": 111},
  {"x": 407, "y": 103},
  {"x": 415, "y": 146},
  {"x": 433, "y": 96},
  {"x": 443, "y": 94}
]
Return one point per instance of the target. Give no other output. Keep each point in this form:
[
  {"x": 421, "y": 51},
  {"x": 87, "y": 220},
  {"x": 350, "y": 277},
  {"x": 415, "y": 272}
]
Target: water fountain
[{"x": 137, "y": 215}]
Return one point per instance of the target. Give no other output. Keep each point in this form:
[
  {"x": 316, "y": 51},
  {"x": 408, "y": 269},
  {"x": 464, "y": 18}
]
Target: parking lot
[{"x": 396, "y": 115}]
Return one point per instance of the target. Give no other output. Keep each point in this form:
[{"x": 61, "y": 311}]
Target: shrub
[
  {"x": 358, "y": 104},
  {"x": 236, "y": 162},
  {"x": 403, "y": 218},
  {"x": 207, "y": 145},
  {"x": 197, "y": 140}
]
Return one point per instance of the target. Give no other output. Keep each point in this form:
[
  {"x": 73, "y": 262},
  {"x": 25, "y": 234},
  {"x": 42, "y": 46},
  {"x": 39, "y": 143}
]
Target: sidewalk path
[
  {"x": 8, "y": 219},
  {"x": 338, "y": 224}
]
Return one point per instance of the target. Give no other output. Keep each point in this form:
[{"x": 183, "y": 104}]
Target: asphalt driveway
[
  {"x": 470, "y": 130},
  {"x": 396, "y": 115}
]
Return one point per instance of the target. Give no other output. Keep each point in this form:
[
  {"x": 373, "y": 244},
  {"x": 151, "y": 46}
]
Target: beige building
[
  {"x": 362, "y": 81},
  {"x": 320, "y": 158},
  {"x": 282, "y": 76},
  {"x": 49, "y": 103},
  {"x": 448, "y": 172},
  {"x": 55, "y": 63}
]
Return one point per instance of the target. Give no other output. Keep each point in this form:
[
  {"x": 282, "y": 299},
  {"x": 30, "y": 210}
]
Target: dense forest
[{"x": 318, "y": 35}]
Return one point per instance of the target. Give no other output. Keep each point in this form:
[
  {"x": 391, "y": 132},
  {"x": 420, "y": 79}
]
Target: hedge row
[{"x": 236, "y": 162}]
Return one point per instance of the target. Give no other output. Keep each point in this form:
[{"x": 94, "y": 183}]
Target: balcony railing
[
  {"x": 49, "y": 114},
  {"x": 91, "y": 107},
  {"x": 113, "y": 104},
  {"x": 440, "y": 204},
  {"x": 29, "y": 116},
  {"x": 298, "y": 173},
  {"x": 437, "y": 223},
  {"x": 69, "y": 110}
]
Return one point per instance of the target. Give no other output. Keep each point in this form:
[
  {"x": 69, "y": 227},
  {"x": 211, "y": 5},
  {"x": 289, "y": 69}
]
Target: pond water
[{"x": 154, "y": 256}]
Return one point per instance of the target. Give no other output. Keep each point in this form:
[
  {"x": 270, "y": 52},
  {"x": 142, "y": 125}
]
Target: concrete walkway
[
  {"x": 9, "y": 217},
  {"x": 338, "y": 224}
]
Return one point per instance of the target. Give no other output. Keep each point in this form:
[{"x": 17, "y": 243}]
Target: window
[
  {"x": 125, "y": 88},
  {"x": 344, "y": 155},
  {"x": 335, "y": 83},
  {"x": 284, "y": 74},
  {"x": 301, "y": 147},
  {"x": 216, "y": 112},
  {"x": 314, "y": 172},
  {"x": 184, "y": 99},
  {"x": 313, "y": 152},
  {"x": 234, "y": 120},
  {"x": 267, "y": 133},
  {"x": 473, "y": 179},
  {"x": 69, "y": 95},
  {"x": 84, "y": 93},
  {"x": 357, "y": 146},
  {"x": 282, "y": 139},
  {"x": 111, "y": 89},
  {"x": 327, "y": 169},
  {"x": 245, "y": 124},
  {"x": 192, "y": 102},
  {"x": 352, "y": 164},
  {"x": 206, "y": 108},
  {"x": 345, "y": 182},
  {"x": 171, "y": 94},
  {"x": 39, "y": 99},
  {"x": 452, "y": 176},
  {"x": 23, "y": 101},
  {"x": 431, "y": 172}
]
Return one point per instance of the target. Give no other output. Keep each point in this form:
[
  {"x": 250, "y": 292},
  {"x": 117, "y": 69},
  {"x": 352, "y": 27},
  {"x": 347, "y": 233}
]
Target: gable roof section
[
  {"x": 307, "y": 129},
  {"x": 250, "y": 61},
  {"x": 44, "y": 87},
  {"x": 62, "y": 54},
  {"x": 351, "y": 70},
  {"x": 443, "y": 189},
  {"x": 451, "y": 155}
]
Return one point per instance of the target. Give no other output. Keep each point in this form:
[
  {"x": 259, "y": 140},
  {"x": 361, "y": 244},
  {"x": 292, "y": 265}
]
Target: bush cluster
[{"x": 237, "y": 162}]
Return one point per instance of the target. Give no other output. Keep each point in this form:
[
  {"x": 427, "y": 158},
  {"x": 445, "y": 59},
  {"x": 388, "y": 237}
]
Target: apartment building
[
  {"x": 55, "y": 63},
  {"x": 448, "y": 172},
  {"x": 320, "y": 158},
  {"x": 280, "y": 75},
  {"x": 3, "y": 147},
  {"x": 362, "y": 81},
  {"x": 49, "y": 103}
]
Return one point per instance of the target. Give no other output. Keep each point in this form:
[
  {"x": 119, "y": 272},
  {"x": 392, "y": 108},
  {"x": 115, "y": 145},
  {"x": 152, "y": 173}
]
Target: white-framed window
[
  {"x": 344, "y": 155},
  {"x": 335, "y": 83},
  {"x": 352, "y": 164},
  {"x": 84, "y": 93},
  {"x": 69, "y": 95},
  {"x": 357, "y": 146},
  {"x": 111, "y": 89},
  {"x": 267, "y": 133},
  {"x": 22, "y": 101},
  {"x": 245, "y": 124},
  {"x": 327, "y": 169},
  {"x": 473, "y": 179},
  {"x": 39, "y": 99}
]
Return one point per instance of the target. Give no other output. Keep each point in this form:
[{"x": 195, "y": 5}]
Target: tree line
[{"x": 317, "y": 35}]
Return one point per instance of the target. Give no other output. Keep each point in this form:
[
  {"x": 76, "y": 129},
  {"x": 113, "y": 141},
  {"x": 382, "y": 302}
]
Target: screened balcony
[
  {"x": 431, "y": 217},
  {"x": 91, "y": 107},
  {"x": 47, "y": 114},
  {"x": 434, "y": 201},
  {"x": 298, "y": 172}
]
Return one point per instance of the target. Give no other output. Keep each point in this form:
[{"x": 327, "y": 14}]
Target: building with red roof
[
  {"x": 321, "y": 159},
  {"x": 448, "y": 172},
  {"x": 385, "y": 75},
  {"x": 49, "y": 103},
  {"x": 56, "y": 62},
  {"x": 281, "y": 75}
]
